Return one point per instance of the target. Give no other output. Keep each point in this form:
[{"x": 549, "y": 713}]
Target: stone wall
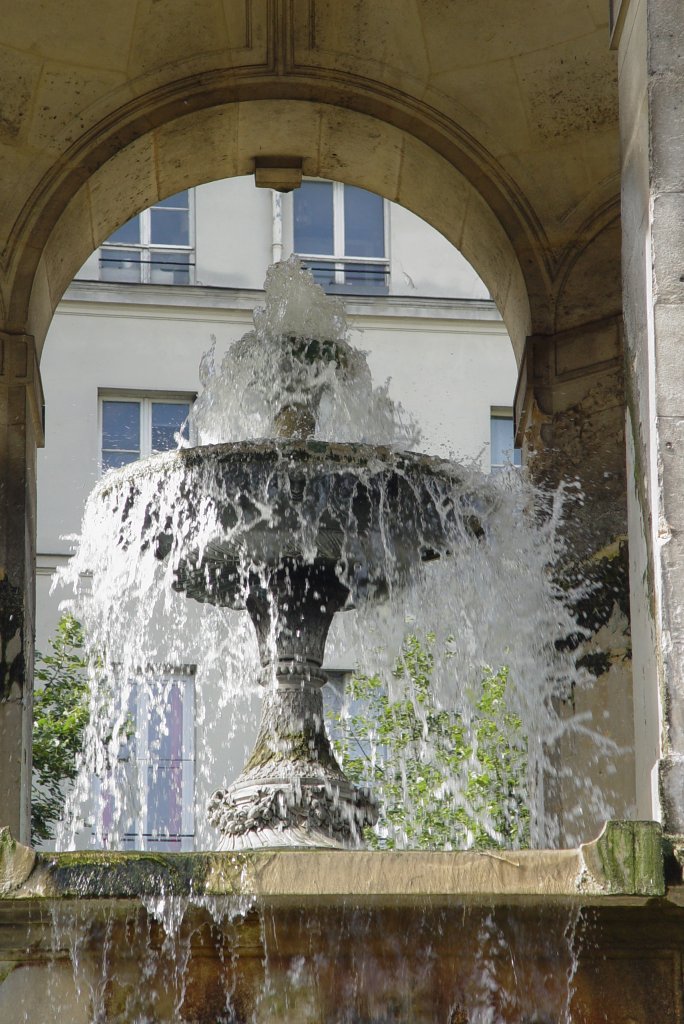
[{"x": 570, "y": 414}]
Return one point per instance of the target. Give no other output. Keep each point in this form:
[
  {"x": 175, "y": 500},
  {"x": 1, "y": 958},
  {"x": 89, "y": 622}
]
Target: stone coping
[{"x": 626, "y": 862}]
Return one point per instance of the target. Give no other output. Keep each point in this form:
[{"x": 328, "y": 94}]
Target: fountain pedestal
[{"x": 292, "y": 791}]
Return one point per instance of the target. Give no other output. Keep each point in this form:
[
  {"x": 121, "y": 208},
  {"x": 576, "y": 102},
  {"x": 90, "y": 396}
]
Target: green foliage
[
  {"x": 60, "y": 716},
  {"x": 440, "y": 783}
]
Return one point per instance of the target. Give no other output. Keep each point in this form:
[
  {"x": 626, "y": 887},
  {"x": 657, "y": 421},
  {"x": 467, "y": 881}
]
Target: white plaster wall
[
  {"x": 447, "y": 375},
  {"x": 423, "y": 262},
  {"x": 233, "y": 228}
]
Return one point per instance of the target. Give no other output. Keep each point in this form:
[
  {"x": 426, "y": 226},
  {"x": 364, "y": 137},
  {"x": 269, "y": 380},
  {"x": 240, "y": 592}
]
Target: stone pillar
[
  {"x": 570, "y": 421},
  {"x": 21, "y": 431},
  {"x": 649, "y": 35}
]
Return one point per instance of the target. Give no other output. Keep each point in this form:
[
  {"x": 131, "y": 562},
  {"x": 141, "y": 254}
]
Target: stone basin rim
[
  {"x": 625, "y": 863},
  {"x": 328, "y": 454}
]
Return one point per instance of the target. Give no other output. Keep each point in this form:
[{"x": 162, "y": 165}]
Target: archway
[
  {"x": 112, "y": 181},
  {"x": 223, "y": 141}
]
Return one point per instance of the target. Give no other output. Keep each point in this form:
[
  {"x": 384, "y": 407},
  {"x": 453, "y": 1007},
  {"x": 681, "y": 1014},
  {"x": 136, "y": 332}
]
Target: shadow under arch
[{"x": 222, "y": 141}]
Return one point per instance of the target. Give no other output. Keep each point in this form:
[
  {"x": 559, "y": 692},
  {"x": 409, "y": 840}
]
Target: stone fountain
[
  {"x": 293, "y": 528},
  {"x": 345, "y": 523}
]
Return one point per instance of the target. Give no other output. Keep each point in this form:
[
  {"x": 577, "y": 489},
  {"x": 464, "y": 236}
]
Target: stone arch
[
  {"x": 222, "y": 141},
  {"x": 580, "y": 298}
]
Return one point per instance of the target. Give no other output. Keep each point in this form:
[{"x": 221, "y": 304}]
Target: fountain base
[{"x": 292, "y": 791}]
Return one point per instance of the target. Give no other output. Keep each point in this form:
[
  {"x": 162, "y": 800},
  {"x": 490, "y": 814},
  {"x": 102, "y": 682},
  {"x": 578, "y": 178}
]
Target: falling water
[{"x": 297, "y": 355}]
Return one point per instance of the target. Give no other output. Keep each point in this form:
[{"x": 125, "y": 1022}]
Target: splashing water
[
  {"x": 297, "y": 355},
  {"x": 493, "y": 600}
]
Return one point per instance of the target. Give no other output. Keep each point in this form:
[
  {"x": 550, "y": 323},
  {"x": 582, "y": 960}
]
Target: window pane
[
  {"x": 167, "y": 420},
  {"x": 128, "y": 233},
  {"x": 502, "y": 452},
  {"x": 165, "y": 724},
  {"x": 165, "y": 799},
  {"x": 121, "y": 426},
  {"x": 119, "y": 265},
  {"x": 165, "y": 774},
  {"x": 179, "y": 201},
  {"x": 367, "y": 276},
  {"x": 169, "y": 227},
  {"x": 313, "y": 218},
  {"x": 364, "y": 233},
  {"x": 170, "y": 267}
]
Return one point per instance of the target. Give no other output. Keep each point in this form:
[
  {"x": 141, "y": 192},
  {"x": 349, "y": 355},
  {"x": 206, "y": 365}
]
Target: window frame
[
  {"x": 134, "y": 761},
  {"x": 146, "y": 247},
  {"x": 337, "y": 258},
  {"x": 146, "y": 399},
  {"x": 503, "y": 412}
]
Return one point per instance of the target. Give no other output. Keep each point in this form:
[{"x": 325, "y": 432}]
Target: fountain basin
[
  {"x": 317, "y": 936},
  {"x": 368, "y": 511}
]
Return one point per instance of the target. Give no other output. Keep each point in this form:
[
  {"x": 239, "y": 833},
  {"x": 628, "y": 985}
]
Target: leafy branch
[
  {"x": 60, "y": 716},
  {"x": 441, "y": 783}
]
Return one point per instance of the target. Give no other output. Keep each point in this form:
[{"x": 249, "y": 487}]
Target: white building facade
[{"x": 136, "y": 321}]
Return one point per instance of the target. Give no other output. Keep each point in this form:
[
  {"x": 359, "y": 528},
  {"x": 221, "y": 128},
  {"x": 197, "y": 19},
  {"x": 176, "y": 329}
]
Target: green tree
[
  {"x": 60, "y": 716},
  {"x": 440, "y": 784}
]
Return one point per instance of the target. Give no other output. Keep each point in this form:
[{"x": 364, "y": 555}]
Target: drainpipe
[{"x": 277, "y": 228}]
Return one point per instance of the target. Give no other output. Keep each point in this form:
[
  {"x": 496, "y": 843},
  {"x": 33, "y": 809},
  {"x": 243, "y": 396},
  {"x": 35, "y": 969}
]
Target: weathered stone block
[
  {"x": 669, "y": 344},
  {"x": 666, "y": 92},
  {"x": 671, "y": 457},
  {"x": 670, "y": 789},
  {"x": 668, "y": 248},
  {"x": 627, "y": 858}
]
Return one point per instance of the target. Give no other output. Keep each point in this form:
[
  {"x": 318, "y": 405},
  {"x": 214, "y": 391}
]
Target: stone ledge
[{"x": 625, "y": 861}]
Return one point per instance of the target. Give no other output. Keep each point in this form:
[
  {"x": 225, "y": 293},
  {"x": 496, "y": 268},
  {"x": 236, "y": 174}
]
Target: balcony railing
[{"x": 353, "y": 274}]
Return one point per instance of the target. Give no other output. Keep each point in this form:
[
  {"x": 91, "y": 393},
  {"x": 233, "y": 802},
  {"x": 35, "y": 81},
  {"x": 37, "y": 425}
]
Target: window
[
  {"x": 147, "y": 802},
  {"x": 153, "y": 247},
  {"x": 138, "y": 425},
  {"x": 339, "y": 234},
  {"x": 503, "y": 452}
]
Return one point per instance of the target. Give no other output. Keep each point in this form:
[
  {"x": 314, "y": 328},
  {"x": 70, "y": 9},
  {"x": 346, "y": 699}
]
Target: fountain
[
  {"x": 293, "y": 529},
  {"x": 344, "y": 523}
]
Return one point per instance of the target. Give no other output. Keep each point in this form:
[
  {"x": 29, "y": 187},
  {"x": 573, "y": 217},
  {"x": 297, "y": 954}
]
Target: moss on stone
[
  {"x": 133, "y": 874},
  {"x": 628, "y": 858}
]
